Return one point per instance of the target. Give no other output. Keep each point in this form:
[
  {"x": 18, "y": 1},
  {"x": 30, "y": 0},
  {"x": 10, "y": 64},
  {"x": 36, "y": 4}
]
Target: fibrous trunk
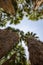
[
  {"x": 7, "y": 6},
  {"x": 8, "y": 38},
  {"x": 35, "y": 49}
]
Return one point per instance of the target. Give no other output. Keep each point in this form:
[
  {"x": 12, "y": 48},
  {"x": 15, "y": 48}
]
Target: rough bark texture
[
  {"x": 8, "y": 38},
  {"x": 35, "y": 49},
  {"x": 8, "y": 7}
]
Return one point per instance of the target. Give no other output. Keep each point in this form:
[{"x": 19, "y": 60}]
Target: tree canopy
[
  {"x": 12, "y": 52},
  {"x": 14, "y": 11}
]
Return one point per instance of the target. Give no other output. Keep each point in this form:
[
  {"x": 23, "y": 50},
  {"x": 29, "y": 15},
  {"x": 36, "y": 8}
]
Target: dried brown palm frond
[
  {"x": 37, "y": 4},
  {"x": 8, "y": 6}
]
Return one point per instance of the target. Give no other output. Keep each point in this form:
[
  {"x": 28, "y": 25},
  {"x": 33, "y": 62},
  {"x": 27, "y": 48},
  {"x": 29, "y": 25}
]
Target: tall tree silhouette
[{"x": 35, "y": 48}]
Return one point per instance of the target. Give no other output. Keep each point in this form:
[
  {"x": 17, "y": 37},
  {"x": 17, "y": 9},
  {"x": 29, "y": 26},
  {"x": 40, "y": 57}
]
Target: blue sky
[{"x": 32, "y": 26}]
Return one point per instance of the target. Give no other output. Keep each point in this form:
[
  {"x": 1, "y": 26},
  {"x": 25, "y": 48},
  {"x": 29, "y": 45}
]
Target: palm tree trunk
[
  {"x": 38, "y": 3},
  {"x": 8, "y": 39},
  {"x": 8, "y": 7},
  {"x": 35, "y": 49}
]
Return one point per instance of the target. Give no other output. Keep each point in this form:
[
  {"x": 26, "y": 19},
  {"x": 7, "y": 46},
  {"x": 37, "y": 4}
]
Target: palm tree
[
  {"x": 35, "y": 48},
  {"x": 9, "y": 6},
  {"x": 8, "y": 39},
  {"x": 18, "y": 58},
  {"x": 31, "y": 35}
]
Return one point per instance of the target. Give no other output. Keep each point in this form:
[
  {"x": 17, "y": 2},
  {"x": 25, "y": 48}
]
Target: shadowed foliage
[
  {"x": 33, "y": 9},
  {"x": 18, "y": 58},
  {"x": 8, "y": 38},
  {"x": 8, "y": 62}
]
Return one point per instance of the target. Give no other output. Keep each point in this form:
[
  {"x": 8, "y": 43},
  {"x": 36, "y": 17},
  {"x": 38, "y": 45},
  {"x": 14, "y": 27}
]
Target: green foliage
[
  {"x": 25, "y": 7},
  {"x": 19, "y": 56},
  {"x": 31, "y": 35}
]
